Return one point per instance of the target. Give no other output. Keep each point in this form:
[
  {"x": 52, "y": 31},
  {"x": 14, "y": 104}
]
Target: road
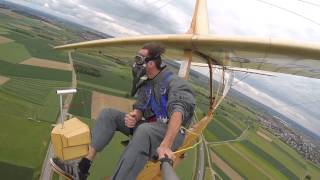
[{"x": 46, "y": 173}]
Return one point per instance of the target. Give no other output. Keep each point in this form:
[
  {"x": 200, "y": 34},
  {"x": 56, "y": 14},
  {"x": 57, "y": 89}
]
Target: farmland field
[
  {"x": 13, "y": 52},
  {"x": 268, "y": 159}
]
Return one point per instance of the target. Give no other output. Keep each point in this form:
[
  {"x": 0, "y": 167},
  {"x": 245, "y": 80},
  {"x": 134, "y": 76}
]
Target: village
[{"x": 310, "y": 151}]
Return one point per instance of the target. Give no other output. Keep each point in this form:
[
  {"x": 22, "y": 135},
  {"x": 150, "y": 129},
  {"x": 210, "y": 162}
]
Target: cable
[
  {"x": 193, "y": 146},
  {"x": 188, "y": 148},
  {"x": 243, "y": 78},
  {"x": 290, "y": 11},
  {"x": 310, "y": 3}
]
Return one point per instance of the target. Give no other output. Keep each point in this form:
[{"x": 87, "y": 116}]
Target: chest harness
[{"x": 159, "y": 109}]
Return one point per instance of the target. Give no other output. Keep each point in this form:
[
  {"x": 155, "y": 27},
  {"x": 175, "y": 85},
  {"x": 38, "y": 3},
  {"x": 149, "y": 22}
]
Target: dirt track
[
  {"x": 4, "y": 40},
  {"x": 3, "y": 80},
  {"x": 232, "y": 174},
  {"x": 264, "y": 136},
  {"x": 47, "y": 64},
  {"x": 100, "y": 101},
  {"x": 27, "y": 28}
]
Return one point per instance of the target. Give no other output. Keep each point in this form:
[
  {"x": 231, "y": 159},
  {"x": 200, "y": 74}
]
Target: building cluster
[{"x": 308, "y": 150}]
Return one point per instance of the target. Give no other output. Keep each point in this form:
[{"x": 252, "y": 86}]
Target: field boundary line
[{"x": 240, "y": 138}]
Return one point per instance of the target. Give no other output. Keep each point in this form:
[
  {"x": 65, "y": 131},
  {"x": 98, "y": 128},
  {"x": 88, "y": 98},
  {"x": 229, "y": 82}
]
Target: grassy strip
[
  {"x": 294, "y": 158},
  {"x": 38, "y": 47},
  {"x": 94, "y": 60},
  {"x": 31, "y": 90},
  {"x": 207, "y": 174},
  {"x": 12, "y": 106},
  {"x": 268, "y": 158},
  {"x": 81, "y": 103},
  {"x": 210, "y": 136},
  {"x": 258, "y": 160},
  {"x": 103, "y": 89},
  {"x": 50, "y": 110},
  {"x": 23, "y": 142},
  {"x": 15, "y": 172},
  {"x": 219, "y": 131},
  {"x": 220, "y": 172},
  {"x": 27, "y": 71},
  {"x": 115, "y": 80},
  {"x": 281, "y": 156},
  {"x": 238, "y": 163},
  {"x": 13, "y": 52},
  {"x": 226, "y": 121},
  {"x": 185, "y": 170},
  {"x": 106, "y": 161}
]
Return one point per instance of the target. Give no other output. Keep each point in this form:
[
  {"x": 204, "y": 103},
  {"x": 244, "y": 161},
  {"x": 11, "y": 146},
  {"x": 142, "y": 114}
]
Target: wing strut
[{"x": 186, "y": 64}]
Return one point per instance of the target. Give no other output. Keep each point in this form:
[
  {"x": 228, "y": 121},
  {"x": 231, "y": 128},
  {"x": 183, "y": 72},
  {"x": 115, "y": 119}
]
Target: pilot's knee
[
  {"x": 107, "y": 117},
  {"x": 143, "y": 129},
  {"x": 103, "y": 114}
]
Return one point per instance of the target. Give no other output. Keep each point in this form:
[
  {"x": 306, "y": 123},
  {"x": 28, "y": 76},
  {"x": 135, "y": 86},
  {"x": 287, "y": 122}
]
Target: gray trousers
[{"x": 143, "y": 145}]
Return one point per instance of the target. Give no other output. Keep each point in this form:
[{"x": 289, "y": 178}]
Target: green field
[
  {"x": 81, "y": 103},
  {"x": 27, "y": 71},
  {"x": 9, "y": 171},
  {"x": 13, "y": 52},
  {"x": 31, "y": 90},
  {"x": 187, "y": 168},
  {"x": 114, "y": 78},
  {"x": 238, "y": 163},
  {"x": 220, "y": 172},
  {"x": 228, "y": 123}
]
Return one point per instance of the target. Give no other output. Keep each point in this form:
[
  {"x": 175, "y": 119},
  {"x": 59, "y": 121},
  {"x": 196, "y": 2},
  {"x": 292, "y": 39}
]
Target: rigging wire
[
  {"x": 289, "y": 11},
  {"x": 243, "y": 78},
  {"x": 310, "y": 3}
]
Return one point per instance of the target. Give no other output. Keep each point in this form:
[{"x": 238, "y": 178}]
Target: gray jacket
[{"x": 181, "y": 98}]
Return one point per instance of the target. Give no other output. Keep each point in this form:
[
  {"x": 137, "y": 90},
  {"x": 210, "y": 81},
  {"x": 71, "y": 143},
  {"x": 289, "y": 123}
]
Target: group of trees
[{"x": 87, "y": 70}]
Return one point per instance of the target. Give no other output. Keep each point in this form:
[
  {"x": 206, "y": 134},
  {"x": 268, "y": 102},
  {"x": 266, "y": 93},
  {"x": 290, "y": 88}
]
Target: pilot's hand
[
  {"x": 165, "y": 151},
  {"x": 130, "y": 119}
]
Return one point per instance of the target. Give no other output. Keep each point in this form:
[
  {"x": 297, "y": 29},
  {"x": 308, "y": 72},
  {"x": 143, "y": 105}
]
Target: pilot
[{"x": 165, "y": 103}]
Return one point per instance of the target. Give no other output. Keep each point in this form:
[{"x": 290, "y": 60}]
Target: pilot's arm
[{"x": 180, "y": 107}]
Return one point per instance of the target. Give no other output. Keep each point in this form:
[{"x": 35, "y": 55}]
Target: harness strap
[{"x": 160, "y": 110}]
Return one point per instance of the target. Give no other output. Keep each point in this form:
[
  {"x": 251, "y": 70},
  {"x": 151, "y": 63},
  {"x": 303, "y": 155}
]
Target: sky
[{"x": 295, "y": 97}]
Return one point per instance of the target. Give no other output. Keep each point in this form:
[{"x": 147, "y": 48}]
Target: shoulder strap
[{"x": 164, "y": 94}]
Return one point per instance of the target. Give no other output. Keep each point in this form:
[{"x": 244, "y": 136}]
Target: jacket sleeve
[{"x": 181, "y": 99}]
